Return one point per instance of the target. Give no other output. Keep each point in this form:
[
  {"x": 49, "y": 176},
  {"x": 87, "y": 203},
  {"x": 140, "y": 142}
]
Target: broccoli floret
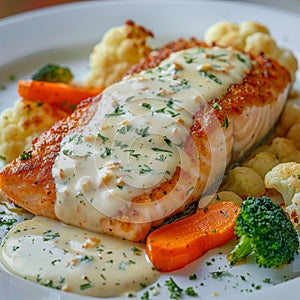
[
  {"x": 53, "y": 73},
  {"x": 264, "y": 229}
]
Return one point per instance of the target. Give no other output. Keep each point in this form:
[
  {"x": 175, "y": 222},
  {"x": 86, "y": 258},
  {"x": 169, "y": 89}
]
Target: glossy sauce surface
[{"x": 73, "y": 260}]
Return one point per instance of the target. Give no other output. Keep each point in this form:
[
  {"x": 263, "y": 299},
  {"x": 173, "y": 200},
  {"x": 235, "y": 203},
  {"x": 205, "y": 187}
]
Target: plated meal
[{"x": 156, "y": 159}]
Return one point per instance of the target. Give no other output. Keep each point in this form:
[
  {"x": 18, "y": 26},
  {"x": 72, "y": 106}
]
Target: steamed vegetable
[
  {"x": 66, "y": 96},
  {"x": 264, "y": 229},
  {"x": 53, "y": 73},
  {"x": 175, "y": 245}
]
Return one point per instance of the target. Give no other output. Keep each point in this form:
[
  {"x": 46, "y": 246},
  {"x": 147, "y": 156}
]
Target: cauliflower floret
[
  {"x": 120, "y": 48},
  {"x": 231, "y": 34},
  {"x": 284, "y": 149},
  {"x": 289, "y": 117},
  {"x": 294, "y": 210},
  {"x": 285, "y": 178},
  {"x": 262, "y": 163},
  {"x": 23, "y": 122},
  {"x": 294, "y": 134},
  {"x": 253, "y": 38},
  {"x": 244, "y": 182}
]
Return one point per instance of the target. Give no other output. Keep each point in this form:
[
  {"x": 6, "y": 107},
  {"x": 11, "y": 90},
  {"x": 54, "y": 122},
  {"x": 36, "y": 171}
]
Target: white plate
[{"x": 65, "y": 34}]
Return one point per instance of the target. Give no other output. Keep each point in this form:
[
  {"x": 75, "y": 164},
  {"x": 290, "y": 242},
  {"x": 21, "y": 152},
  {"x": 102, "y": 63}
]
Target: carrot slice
[
  {"x": 66, "y": 96},
  {"x": 175, "y": 245}
]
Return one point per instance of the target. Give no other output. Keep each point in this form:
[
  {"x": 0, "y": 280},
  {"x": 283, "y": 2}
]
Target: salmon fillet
[{"x": 223, "y": 132}]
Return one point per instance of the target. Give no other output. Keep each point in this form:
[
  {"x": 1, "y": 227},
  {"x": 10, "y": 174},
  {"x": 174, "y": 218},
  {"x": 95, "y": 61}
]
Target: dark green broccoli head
[
  {"x": 53, "y": 73},
  {"x": 264, "y": 228}
]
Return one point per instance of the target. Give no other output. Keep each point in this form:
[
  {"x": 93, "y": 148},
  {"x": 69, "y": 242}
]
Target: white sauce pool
[{"x": 74, "y": 260}]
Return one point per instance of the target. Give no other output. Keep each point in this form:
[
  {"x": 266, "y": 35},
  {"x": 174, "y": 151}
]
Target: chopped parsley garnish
[
  {"x": 49, "y": 235},
  {"x": 168, "y": 142},
  {"x": 147, "y": 105},
  {"x": 124, "y": 129},
  {"x": 107, "y": 152},
  {"x": 240, "y": 58},
  {"x": 102, "y": 137},
  {"x": 220, "y": 274},
  {"x": 131, "y": 153},
  {"x": 193, "y": 277},
  {"x": 117, "y": 112},
  {"x": 225, "y": 122},
  {"x": 191, "y": 292},
  {"x": 161, "y": 150},
  {"x": 26, "y": 155},
  {"x": 86, "y": 286},
  {"x": 161, "y": 158},
  {"x": 145, "y": 169},
  {"x": 210, "y": 76},
  {"x": 173, "y": 288},
  {"x": 143, "y": 132},
  {"x": 217, "y": 106},
  {"x": 7, "y": 222}
]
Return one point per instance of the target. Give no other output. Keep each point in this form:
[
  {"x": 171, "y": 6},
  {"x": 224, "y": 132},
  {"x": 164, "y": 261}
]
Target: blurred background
[{"x": 11, "y": 7}]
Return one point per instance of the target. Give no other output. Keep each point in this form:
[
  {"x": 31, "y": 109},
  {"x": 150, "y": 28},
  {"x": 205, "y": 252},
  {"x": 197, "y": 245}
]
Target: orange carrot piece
[
  {"x": 66, "y": 96},
  {"x": 175, "y": 245}
]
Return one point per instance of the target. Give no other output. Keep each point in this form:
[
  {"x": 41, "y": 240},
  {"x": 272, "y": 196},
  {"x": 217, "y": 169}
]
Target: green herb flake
[
  {"x": 173, "y": 288},
  {"x": 136, "y": 250},
  {"x": 225, "y": 122},
  {"x": 86, "y": 286},
  {"x": 143, "y": 132},
  {"x": 240, "y": 58},
  {"x": 168, "y": 142},
  {"x": 49, "y": 235},
  {"x": 129, "y": 99},
  {"x": 124, "y": 129},
  {"x": 102, "y": 137},
  {"x": 217, "y": 106},
  {"x": 7, "y": 222},
  {"x": 191, "y": 292},
  {"x": 220, "y": 274},
  {"x": 145, "y": 169},
  {"x": 147, "y": 105},
  {"x": 12, "y": 77},
  {"x": 117, "y": 112},
  {"x": 161, "y": 158},
  {"x": 106, "y": 152},
  {"x": 161, "y": 150},
  {"x": 132, "y": 153},
  {"x": 193, "y": 277},
  {"x": 145, "y": 296},
  {"x": 210, "y": 76},
  {"x": 26, "y": 155}
]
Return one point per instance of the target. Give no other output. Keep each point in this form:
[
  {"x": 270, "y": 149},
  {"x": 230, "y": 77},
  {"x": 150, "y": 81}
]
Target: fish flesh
[{"x": 152, "y": 143}]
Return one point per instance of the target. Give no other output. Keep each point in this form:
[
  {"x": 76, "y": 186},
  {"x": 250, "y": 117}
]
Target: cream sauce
[
  {"x": 136, "y": 138},
  {"x": 74, "y": 260}
]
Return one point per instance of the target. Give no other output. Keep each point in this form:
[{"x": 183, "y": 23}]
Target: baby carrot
[
  {"x": 66, "y": 96},
  {"x": 175, "y": 245}
]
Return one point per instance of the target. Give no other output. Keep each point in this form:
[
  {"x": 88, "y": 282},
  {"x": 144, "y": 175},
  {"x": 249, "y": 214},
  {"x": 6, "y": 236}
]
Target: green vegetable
[
  {"x": 53, "y": 73},
  {"x": 264, "y": 229}
]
